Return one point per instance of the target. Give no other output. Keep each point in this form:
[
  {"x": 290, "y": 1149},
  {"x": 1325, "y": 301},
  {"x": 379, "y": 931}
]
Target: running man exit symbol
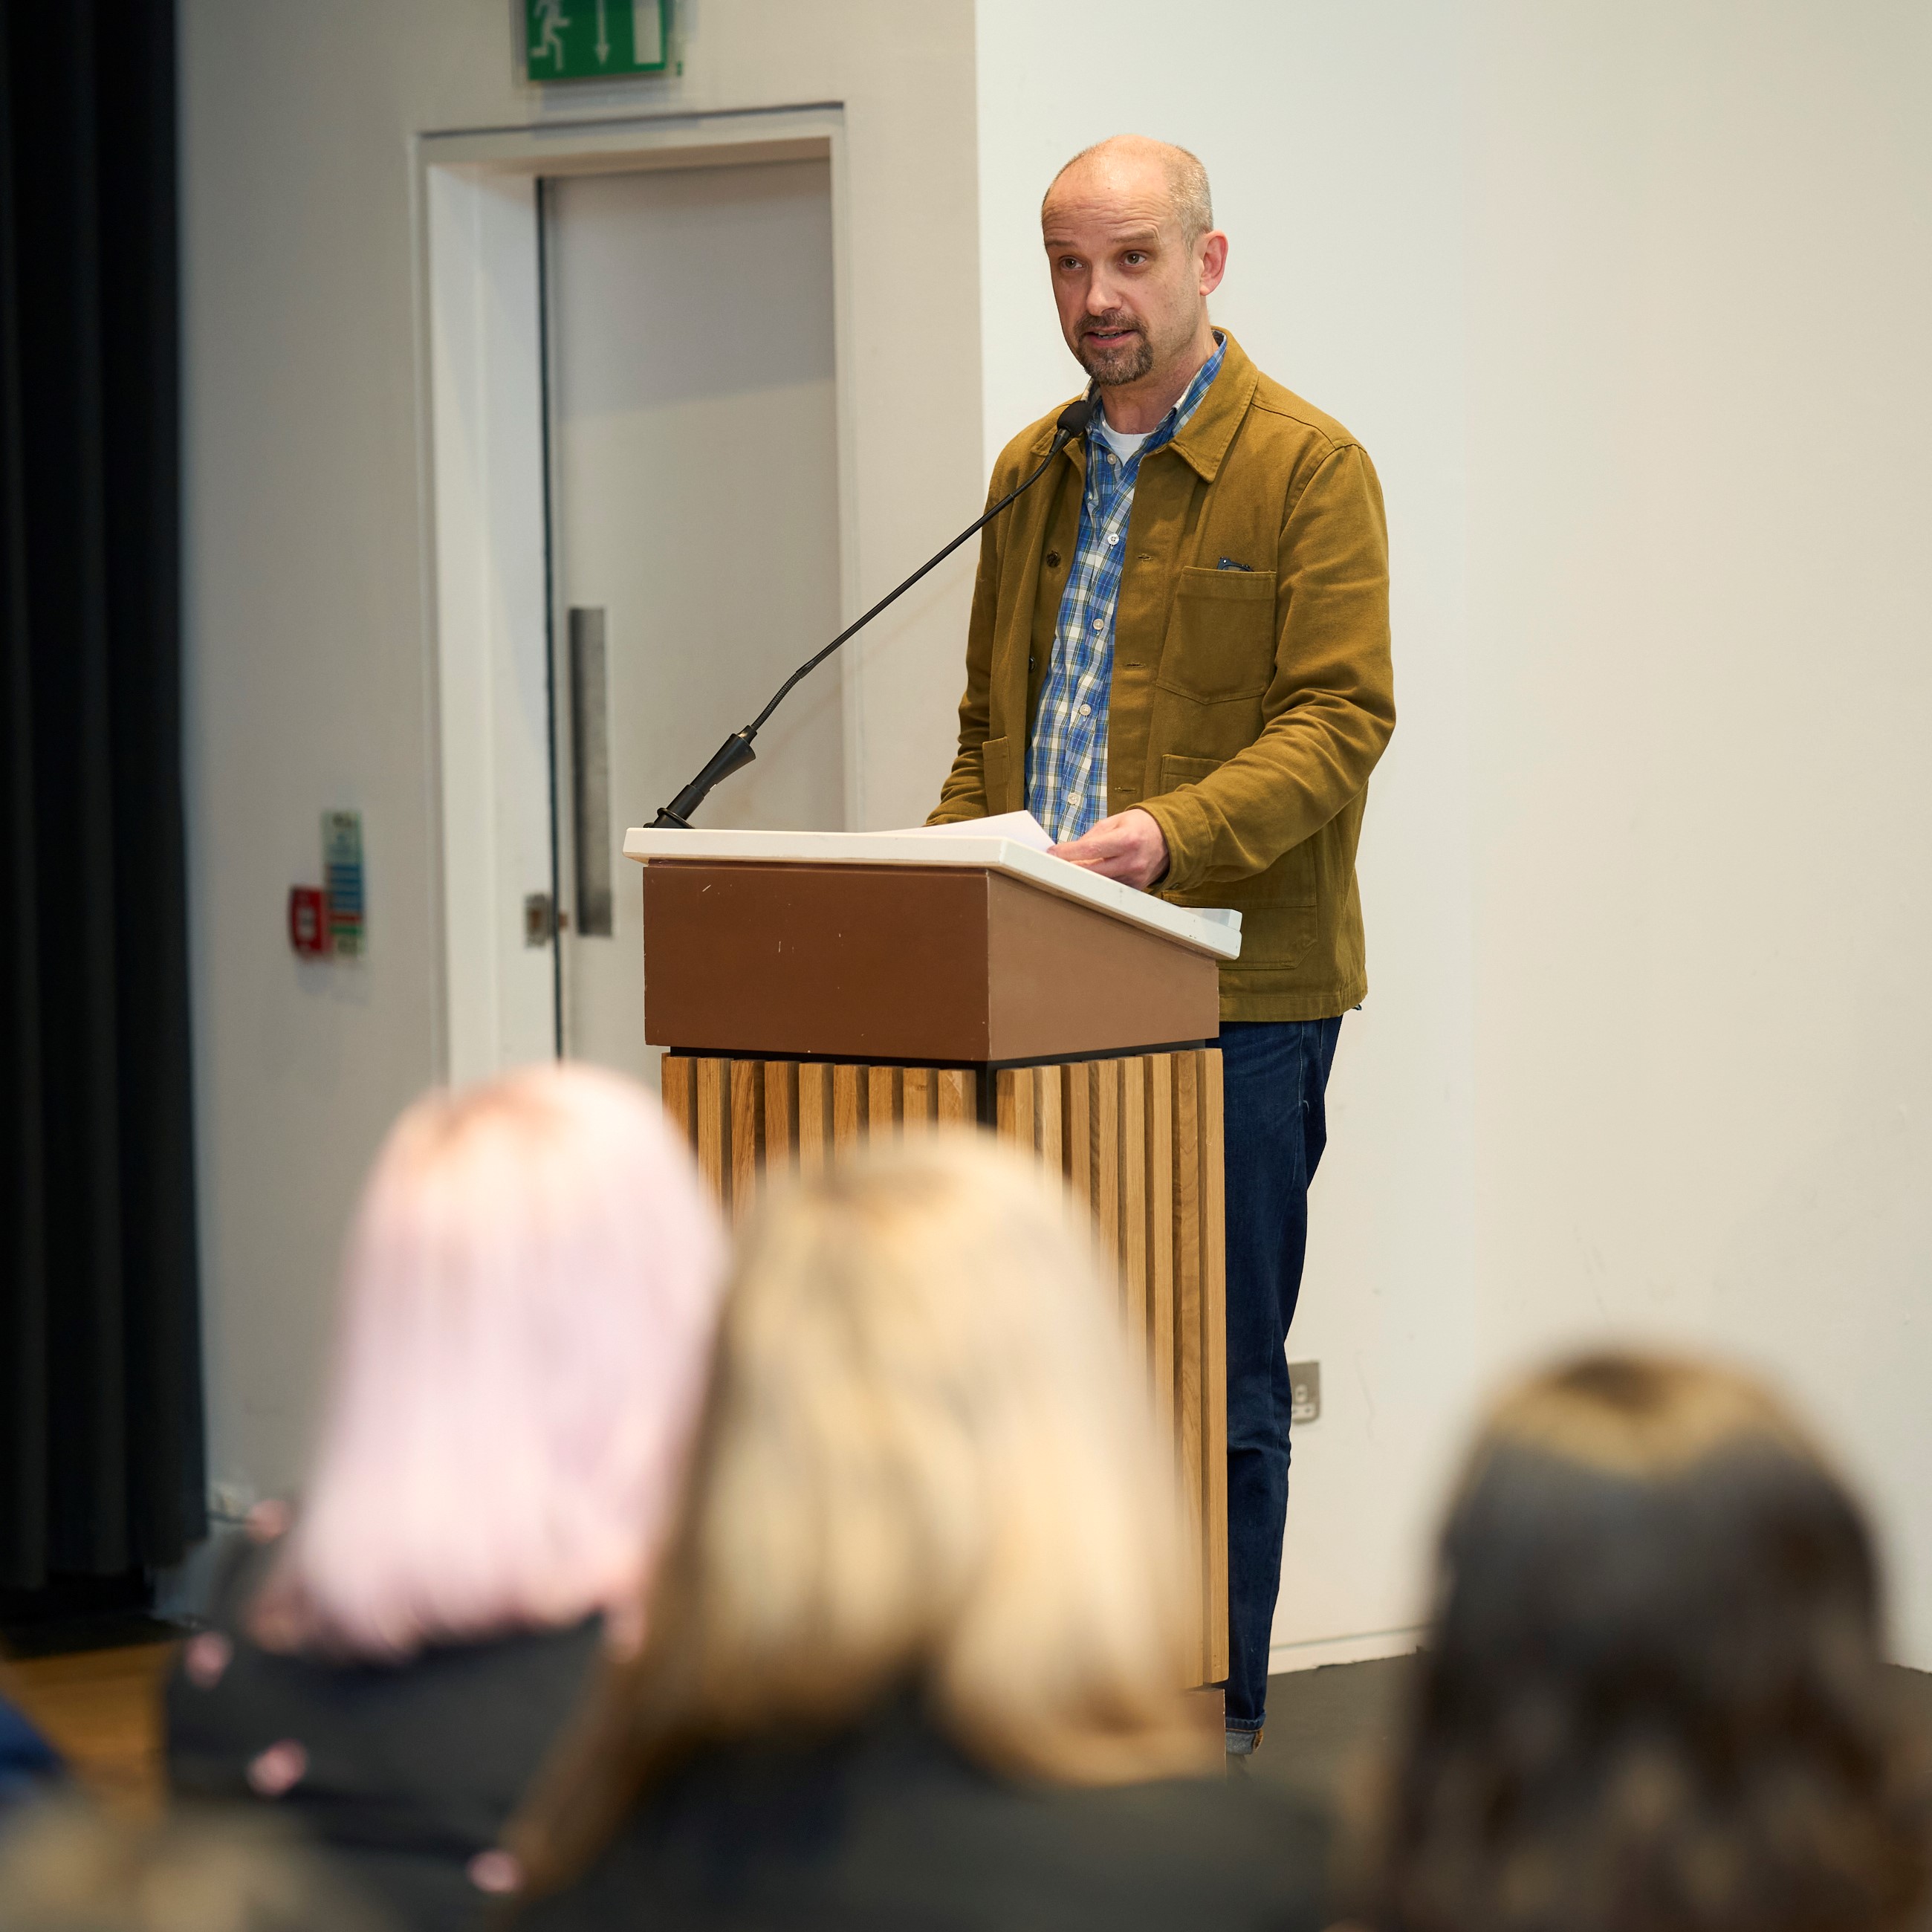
[
  {"x": 595, "y": 39},
  {"x": 547, "y": 26}
]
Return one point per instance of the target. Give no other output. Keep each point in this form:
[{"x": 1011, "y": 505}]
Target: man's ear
[{"x": 1212, "y": 253}]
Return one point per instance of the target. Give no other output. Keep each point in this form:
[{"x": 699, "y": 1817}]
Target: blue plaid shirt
[{"x": 1066, "y": 758}]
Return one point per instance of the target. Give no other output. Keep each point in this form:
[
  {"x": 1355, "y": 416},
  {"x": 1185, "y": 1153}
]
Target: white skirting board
[{"x": 1285, "y": 1657}]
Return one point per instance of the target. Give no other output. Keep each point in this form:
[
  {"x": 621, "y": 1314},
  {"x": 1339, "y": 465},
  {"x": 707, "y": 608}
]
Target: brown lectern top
[{"x": 891, "y": 946}]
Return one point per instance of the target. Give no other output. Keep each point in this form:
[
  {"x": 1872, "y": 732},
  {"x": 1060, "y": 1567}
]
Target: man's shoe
[{"x": 1243, "y": 1744}]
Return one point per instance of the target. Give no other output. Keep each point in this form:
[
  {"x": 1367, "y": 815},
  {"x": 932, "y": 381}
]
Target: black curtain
[{"x": 100, "y": 1425}]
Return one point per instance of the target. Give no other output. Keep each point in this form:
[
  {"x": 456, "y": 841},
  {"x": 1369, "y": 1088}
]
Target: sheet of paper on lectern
[{"x": 1021, "y": 827}]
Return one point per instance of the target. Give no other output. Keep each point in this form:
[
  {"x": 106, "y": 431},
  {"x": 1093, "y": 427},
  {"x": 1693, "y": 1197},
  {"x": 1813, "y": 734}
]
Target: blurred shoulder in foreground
[
  {"x": 65, "y": 1867},
  {"x": 887, "y": 1823}
]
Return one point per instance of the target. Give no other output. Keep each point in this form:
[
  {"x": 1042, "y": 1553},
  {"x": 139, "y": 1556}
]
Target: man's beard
[{"x": 1120, "y": 363}]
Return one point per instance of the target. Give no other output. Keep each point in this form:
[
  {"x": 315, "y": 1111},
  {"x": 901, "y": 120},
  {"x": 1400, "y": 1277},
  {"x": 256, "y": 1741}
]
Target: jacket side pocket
[
  {"x": 995, "y": 771},
  {"x": 1280, "y": 908}
]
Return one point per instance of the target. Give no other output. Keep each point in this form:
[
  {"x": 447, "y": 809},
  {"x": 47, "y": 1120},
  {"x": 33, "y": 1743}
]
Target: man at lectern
[{"x": 1179, "y": 660}]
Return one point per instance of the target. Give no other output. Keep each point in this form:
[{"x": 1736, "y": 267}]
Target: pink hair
[{"x": 528, "y": 1302}]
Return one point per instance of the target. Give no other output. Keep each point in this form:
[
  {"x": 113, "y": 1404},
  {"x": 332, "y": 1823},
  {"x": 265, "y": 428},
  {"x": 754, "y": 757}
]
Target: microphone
[{"x": 736, "y": 751}]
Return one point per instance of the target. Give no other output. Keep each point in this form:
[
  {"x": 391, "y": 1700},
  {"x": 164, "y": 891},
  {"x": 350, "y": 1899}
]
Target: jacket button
[{"x": 1053, "y": 560}]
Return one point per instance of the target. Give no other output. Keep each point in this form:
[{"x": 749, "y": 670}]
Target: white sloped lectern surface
[{"x": 1212, "y": 931}]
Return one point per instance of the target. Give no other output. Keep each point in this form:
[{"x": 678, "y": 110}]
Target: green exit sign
[{"x": 595, "y": 39}]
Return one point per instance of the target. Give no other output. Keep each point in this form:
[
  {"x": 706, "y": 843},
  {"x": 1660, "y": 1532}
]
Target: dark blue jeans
[{"x": 1275, "y": 1082}]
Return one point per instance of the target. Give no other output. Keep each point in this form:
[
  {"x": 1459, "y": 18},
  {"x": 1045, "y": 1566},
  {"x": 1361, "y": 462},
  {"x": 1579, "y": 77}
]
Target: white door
[{"x": 694, "y": 535}]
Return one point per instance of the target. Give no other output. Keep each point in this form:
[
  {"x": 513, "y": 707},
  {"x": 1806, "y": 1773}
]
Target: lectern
[{"x": 816, "y": 990}]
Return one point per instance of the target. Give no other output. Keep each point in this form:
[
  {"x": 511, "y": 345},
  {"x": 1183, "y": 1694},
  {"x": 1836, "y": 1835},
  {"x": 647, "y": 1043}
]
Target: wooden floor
[{"x": 101, "y": 1709}]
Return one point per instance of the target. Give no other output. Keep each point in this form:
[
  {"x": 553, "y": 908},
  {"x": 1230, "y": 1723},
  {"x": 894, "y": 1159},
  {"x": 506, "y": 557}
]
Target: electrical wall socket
[{"x": 1305, "y": 1379}]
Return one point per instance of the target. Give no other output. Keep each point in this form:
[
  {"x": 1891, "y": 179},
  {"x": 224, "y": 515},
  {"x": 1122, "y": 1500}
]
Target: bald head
[{"x": 1125, "y": 163}]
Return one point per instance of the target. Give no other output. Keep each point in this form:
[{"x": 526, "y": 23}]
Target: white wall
[
  {"x": 308, "y": 617},
  {"x": 1630, "y": 306},
  {"x": 1700, "y": 492},
  {"x": 1629, "y": 303}
]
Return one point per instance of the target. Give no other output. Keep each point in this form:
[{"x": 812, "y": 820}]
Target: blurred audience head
[
  {"x": 66, "y": 1867},
  {"x": 1653, "y": 1694},
  {"x": 528, "y": 1301},
  {"x": 923, "y": 1469}
]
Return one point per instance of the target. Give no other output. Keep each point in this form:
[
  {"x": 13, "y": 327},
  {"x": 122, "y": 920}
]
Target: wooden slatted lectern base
[{"x": 1138, "y": 1139}]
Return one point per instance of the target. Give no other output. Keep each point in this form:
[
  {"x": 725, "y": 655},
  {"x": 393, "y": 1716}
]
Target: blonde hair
[
  {"x": 528, "y": 1299},
  {"x": 922, "y": 1465}
]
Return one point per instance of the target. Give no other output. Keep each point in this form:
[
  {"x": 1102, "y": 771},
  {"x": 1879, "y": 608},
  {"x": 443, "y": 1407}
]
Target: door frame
[{"x": 486, "y": 588}]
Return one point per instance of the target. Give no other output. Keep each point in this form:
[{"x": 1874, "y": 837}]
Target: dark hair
[{"x": 1653, "y": 1700}]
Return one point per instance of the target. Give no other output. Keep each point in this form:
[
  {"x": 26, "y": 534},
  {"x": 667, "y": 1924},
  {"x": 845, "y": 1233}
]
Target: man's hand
[{"x": 1128, "y": 847}]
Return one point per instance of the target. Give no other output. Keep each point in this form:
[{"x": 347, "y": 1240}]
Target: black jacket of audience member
[
  {"x": 406, "y": 1772},
  {"x": 889, "y": 1826}
]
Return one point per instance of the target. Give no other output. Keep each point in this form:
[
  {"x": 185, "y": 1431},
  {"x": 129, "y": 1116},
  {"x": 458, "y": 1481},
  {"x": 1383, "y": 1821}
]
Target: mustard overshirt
[{"x": 1248, "y": 706}]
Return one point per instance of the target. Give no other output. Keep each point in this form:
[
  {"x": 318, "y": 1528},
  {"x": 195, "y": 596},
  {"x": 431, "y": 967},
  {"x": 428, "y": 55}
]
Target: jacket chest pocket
[{"x": 1220, "y": 635}]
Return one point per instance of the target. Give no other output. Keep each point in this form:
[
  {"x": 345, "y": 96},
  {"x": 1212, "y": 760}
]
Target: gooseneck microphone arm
[{"x": 736, "y": 750}]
